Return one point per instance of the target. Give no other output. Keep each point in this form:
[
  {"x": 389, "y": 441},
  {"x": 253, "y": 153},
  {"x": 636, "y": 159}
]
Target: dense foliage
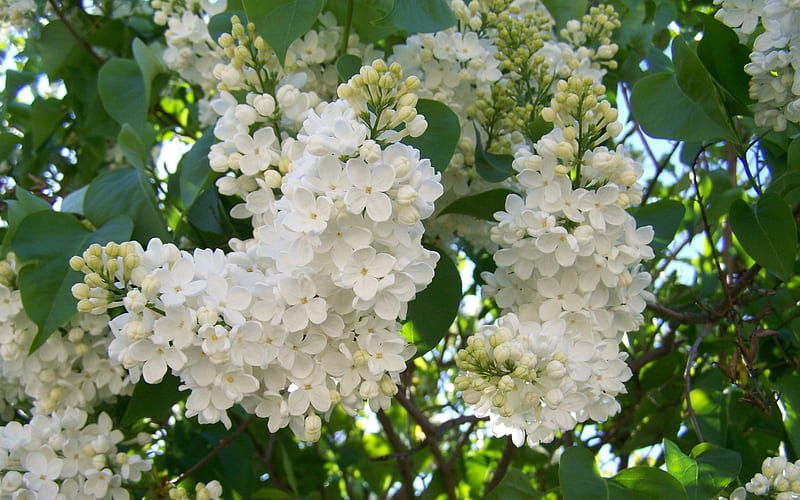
[{"x": 399, "y": 248}]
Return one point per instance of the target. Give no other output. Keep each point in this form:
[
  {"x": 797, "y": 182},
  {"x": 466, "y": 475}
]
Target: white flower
[
  {"x": 369, "y": 186},
  {"x": 365, "y": 269}
]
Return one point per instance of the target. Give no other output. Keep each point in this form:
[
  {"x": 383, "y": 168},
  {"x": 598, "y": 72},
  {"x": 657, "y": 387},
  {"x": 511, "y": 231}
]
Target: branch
[
  {"x": 222, "y": 445},
  {"x": 502, "y": 465},
  {"x": 406, "y": 473}
]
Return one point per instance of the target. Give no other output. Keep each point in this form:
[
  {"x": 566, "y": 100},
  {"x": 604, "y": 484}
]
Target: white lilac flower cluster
[
  {"x": 190, "y": 51},
  {"x": 70, "y": 370},
  {"x": 779, "y": 479},
  {"x": 202, "y": 491},
  {"x": 60, "y": 456},
  {"x": 774, "y": 66},
  {"x": 303, "y": 316},
  {"x": 568, "y": 279}
]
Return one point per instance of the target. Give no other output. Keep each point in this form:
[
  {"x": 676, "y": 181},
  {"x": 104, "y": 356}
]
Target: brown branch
[
  {"x": 430, "y": 433},
  {"x": 406, "y": 472},
  {"x": 502, "y": 465},
  {"x": 84, "y": 45},
  {"x": 669, "y": 345},
  {"x": 684, "y": 318},
  {"x": 224, "y": 443}
]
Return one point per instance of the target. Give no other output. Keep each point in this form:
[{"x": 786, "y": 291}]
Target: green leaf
[
  {"x": 45, "y": 279},
  {"x": 434, "y": 308},
  {"x": 25, "y": 204},
  {"x": 564, "y": 11},
  {"x": 789, "y": 388},
  {"x": 152, "y": 400},
  {"x": 492, "y": 167},
  {"x": 728, "y": 71},
  {"x": 366, "y": 20},
  {"x": 58, "y": 48},
  {"x": 73, "y": 202},
  {"x": 579, "y": 476},
  {"x": 440, "y": 139},
  {"x": 193, "y": 169},
  {"x": 514, "y": 486},
  {"x": 684, "y": 105},
  {"x": 126, "y": 191},
  {"x": 123, "y": 93},
  {"x": 767, "y": 232},
  {"x": 132, "y": 146},
  {"x": 481, "y": 205},
  {"x": 47, "y": 114},
  {"x": 793, "y": 155},
  {"x": 706, "y": 472},
  {"x": 150, "y": 65},
  {"x": 647, "y": 483},
  {"x": 665, "y": 216},
  {"x": 281, "y": 22},
  {"x": 420, "y": 16},
  {"x": 347, "y": 66}
]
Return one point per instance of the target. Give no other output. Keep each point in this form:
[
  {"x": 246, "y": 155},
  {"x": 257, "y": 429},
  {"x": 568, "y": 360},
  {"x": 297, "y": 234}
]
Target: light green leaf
[
  {"x": 347, "y": 66},
  {"x": 579, "y": 476},
  {"x": 481, "y": 205},
  {"x": 514, "y": 486},
  {"x": 434, "y": 308},
  {"x": 132, "y": 146},
  {"x": 73, "y": 202},
  {"x": 492, "y": 167},
  {"x": 767, "y": 232},
  {"x": 281, "y": 22},
  {"x": 665, "y": 216},
  {"x": 706, "y": 472},
  {"x": 123, "y": 93},
  {"x": 420, "y": 16},
  {"x": 439, "y": 141},
  {"x": 45, "y": 279},
  {"x": 126, "y": 191},
  {"x": 152, "y": 400}
]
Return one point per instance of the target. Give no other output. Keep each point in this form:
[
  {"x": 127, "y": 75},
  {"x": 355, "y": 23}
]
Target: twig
[
  {"x": 684, "y": 318},
  {"x": 502, "y": 465},
  {"x": 84, "y": 45},
  {"x": 688, "y": 378},
  {"x": 222, "y": 445}
]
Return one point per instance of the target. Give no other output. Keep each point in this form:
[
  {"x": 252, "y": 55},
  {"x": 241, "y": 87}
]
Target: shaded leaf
[
  {"x": 767, "y": 232},
  {"x": 150, "y": 65},
  {"x": 47, "y": 114},
  {"x": 281, "y": 22},
  {"x": 665, "y": 216},
  {"x": 122, "y": 92},
  {"x": 25, "y": 204},
  {"x": 347, "y": 66},
  {"x": 152, "y": 400},
  {"x": 492, "y": 167},
  {"x": 579, "y": 476},
  {"x": 728, "y": 71},
  {"x": 440, "y": 139},
  {"x": 706, "y": 472},
  {"x": 434, "y": 308},
  {"x": 789, "y": 387},
  {"x": 564, "y": 11},
  {"x": 514, "y": 486},
  {"x": 420, "y": 16},
  {"x": 647, "y": 483},
  {"x": 193, "y": 170},
  {"x": 481, "y": 205},
  {"x": 132, "y": 146}
]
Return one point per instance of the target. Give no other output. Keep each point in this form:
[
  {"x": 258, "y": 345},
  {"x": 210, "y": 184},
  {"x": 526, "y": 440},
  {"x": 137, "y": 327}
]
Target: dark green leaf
[
  {"x": 194, "y": 170},
  {"x": 366, "y": 20},
  {"x": 648, "y": 483},
  {"x": 514, "y": 486},
  {"x": 420, "y": 16},
  {"x": 789, "y": 387},
  {"x": 25, "y": 204},
  {"x": 706, "y": 472},
  {"x": 433, "y": 310},
  {"x": 564, "y": 11},
  {"x": 123, "y": 93},
  {"x": 440, "y": 139},
  {"x": 47, "y": 114},
  {"x": 481, "y": 205},
  {"x": 150, "y": 65},
  {"x": 767, "y": 232},
  {"x": 73, "y": 202},
  {"x": 728, "y": 71},
  {"x": 492, "y": 167},
  {"x": 57, "y": 47},
  {"x": 126, "y": 191},
  {"x": 347, "y": 66},
  {"x": 579, "y": 476},
  {"x": 132, "y": 146},
  {"x": 684, "y": 105},
  {"x": 281, "y": 22},
  {"x": 45, "y": 279},
  {"x": 665, "y": 216},
  {"x": 152, "y": 400},
  {"x": 793, "y": 155}
]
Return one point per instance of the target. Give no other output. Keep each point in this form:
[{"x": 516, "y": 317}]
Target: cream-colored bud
[
  {"x": 380, "y": 65},
  {"x": 112, "y": 250},
  {"x": 462, "y": 382},
  {"x": 112, "y": 266},
  {"x": 570, "y": 133},
  {"x": 84, "y": 306},
  {"x": 272, "y": 179},
  {"x": 501, "y": 353},
  {"x": 80, "y": 291},
  {"x": 370, "y": 76},
  {"x": 94, "y": 280},
  {"x": 150, "y": 286},
  {"x": 499, "y": 399},
  {"x": 563, "y": 170},
  {"x": 206, "y": 316},
  {"x": 386, "y": 81},
  {"x": 409, "y": 99},
  {"x": 407, "y": 215},
  {"x": 75, "y": 335},
  {"x": 388, "y": 387},
  {"x": 406, "y": 195},
  {"x": 313, "y": 427}
]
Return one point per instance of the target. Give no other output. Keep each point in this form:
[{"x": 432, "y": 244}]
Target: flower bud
[{"x": 313, "y": 428}]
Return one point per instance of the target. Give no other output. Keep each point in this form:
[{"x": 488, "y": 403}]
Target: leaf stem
[{"x": 348, "y": 22}]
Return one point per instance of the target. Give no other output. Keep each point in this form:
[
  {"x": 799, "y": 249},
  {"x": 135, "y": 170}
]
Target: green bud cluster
[
  {"x": 107, "y": 271},
  {"x": 594, "y": 31},
  {"x": 8, "y": 277},
  {"x": 248, "y": 53},
  {"x": 385, "y": 100}
]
